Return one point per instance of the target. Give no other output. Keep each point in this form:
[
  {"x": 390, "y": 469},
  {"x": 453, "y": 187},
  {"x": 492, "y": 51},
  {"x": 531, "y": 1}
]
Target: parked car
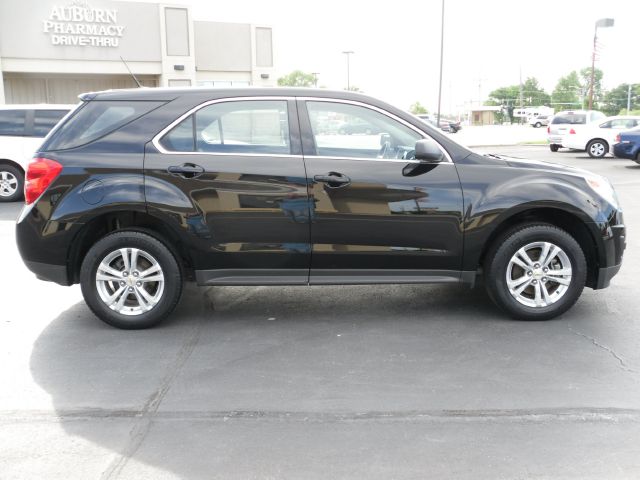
[
  {"x": 540, "y": 121},
  {"x": 564, "y": 123},
  {"x": 358, "y": 126},
  {"x": 133, "y": 194},
  {"x": 445, "y": 125},
  {"x": 22, "y": 128},
  {"x": 597, "y": 138},
  {"x": 627, "y": 145}
]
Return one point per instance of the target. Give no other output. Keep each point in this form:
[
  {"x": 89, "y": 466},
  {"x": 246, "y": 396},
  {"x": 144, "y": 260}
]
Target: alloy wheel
[
  {"x": 8, "y": 184},
  {"x": 130, "y": 281},
  {"x": 539, "y": 274}
]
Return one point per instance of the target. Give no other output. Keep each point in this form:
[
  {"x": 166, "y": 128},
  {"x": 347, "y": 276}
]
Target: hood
[{"x": 517, "y": 162}]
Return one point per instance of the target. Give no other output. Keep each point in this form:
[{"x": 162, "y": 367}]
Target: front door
[
  {"x": 231, "y": 175},
  {"x": 377, "y": 215}
]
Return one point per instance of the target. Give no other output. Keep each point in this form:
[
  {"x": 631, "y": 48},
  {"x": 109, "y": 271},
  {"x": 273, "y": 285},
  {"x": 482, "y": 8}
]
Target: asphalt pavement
[{"x": 371, "y": 382}]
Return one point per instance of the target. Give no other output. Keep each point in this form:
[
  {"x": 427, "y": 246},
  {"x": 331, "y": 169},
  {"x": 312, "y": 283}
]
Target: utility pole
[
  {"x": 348, "y": 53},
  {"x": 603, "y": 22},
  {"x": 629, "y": 100},
  {"x": 315, "y": 78},
  {"x": 521, "y": 102},
  {"x": 441, "y": 58}
]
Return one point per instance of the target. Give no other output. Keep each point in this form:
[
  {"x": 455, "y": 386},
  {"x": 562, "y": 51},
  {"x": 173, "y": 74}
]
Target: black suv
[{"x": 139, "y": 190}]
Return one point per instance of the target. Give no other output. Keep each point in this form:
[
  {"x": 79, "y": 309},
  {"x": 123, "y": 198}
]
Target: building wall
[{"x": 52, "y": 50}]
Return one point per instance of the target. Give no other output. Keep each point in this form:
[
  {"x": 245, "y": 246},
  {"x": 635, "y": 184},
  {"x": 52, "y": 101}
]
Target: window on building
[
  {"x": 256, "y": 126},
  {"x": 177, "y": 31},
  {"x": 264, "y": 48},
  {"x": 12, "y": 122}
]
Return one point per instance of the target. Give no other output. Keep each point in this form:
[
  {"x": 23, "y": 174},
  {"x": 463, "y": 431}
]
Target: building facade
[{"x": 51, "y": 51}]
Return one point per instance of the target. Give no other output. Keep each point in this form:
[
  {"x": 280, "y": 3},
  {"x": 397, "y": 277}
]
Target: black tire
[
  {"x": 554, "y": 147},
  {"x": 168, "y": 298},
  {"x": 597, "y": 148},
  {"x": 506, "y": 246},
  {"x": 10, "y": 172},
  {"x": 537, "y": 125}
]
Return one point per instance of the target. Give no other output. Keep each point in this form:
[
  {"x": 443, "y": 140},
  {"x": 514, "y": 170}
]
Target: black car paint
[{"x": 279, "y": 232}]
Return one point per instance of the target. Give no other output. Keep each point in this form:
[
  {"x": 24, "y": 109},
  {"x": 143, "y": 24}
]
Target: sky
[{"x": 397, "y": 44}]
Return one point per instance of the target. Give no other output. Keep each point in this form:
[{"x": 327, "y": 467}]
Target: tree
[
  {"x": 585, "y": 81},
  {"x": 417, "y": 109},
  {"x": 615, "y": 100},
  {"x": 567, "y": 92},
  {"x": 297, "y": 78},
  {"x": 533, "y": 94}
]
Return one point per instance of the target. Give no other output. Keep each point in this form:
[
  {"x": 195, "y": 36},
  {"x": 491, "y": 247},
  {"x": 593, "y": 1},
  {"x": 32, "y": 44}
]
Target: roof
[{"x": 36, "y": 106}]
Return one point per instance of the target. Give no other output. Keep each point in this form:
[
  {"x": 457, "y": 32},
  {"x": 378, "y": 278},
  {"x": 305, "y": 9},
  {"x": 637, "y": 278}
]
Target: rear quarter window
[
  {"x": 12, "y": 122},
  {"x": 94, "y": 120}
]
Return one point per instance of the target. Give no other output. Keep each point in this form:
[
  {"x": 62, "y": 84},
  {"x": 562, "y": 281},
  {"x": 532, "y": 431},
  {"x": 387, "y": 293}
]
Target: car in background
[
  {"x": 358, "y": 126},
  {"x": 568, "y": 123},
  {"x": 445, "y": 125},
  {"x": 22, "y": 129},
  {"x": 540, "y": 121},
  {"x": 597, "y": 138},
  {"x": 627, "y": 145}
]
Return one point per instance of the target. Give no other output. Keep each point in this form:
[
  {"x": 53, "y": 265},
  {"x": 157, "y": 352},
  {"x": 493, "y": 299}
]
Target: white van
[{"x": 22, "y": 129}]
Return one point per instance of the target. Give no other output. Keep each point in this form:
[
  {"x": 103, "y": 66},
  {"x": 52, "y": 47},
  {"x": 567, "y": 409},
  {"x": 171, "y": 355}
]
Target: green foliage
[
  {"x": 615, "y": 100},
  {"x": 585, "y": 81},
  {"x": 417, "y": 109},
  {"x": 533, "y": 94},
  {"x": 566, "y": 95},
  {"x": 297, "y": 78}
]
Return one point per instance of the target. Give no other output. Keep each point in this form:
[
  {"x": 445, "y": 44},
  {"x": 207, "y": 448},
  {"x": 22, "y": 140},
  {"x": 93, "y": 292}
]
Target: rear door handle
[
  {"x": 333, "y": 179},
  {"x": 187, "y": 170}
]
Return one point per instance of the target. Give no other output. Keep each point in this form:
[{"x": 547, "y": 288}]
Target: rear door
[
  {"x": 230, "y": 174},
  {"x": 376, "y": 214}
]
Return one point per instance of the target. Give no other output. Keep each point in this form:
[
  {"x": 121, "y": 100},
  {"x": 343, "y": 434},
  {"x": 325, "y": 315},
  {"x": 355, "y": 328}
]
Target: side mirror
[{"x": 428, "y": 150}]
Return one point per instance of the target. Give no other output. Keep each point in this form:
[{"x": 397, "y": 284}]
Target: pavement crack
[
  {"x": 144, "y": 416},
  {"x": 609, "y": 350}
]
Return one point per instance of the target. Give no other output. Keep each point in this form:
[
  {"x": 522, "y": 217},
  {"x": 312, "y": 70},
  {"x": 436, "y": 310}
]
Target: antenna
[{"x": 131, "y": 73}]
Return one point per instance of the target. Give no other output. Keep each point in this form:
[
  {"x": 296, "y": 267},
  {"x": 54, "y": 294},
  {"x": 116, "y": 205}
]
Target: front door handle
[
  {"x": 187, "y": 170},
  {"x": 333, "y": 179}
]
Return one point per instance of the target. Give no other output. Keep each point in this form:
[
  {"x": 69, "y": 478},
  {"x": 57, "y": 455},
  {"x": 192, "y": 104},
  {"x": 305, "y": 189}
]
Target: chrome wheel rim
[
  {"x": 8, "y": 184},
  {"x": 539, "y": 274},
  {"x": 130, "y": 281},
  {"x": 597, "y": 149}
]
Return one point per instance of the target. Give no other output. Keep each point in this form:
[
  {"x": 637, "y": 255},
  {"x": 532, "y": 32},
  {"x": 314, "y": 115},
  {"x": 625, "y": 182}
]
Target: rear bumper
[{"x": 49, "y": 272}]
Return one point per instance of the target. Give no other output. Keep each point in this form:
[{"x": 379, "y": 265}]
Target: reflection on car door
[
  {"x": 241, "y": 190},
  {"x": 376, "y": 212}
]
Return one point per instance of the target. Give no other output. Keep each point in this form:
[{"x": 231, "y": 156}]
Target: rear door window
[
  {"x": 12, "y": 122},
  {"x": 96, "y": 119},
  {"x": 45, "y": 120},
  {"x": 247, "y": 126}
]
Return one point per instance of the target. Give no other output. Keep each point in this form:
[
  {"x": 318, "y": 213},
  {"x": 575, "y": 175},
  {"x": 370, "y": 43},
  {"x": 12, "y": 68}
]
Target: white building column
[{"x": 1, "y": 84}]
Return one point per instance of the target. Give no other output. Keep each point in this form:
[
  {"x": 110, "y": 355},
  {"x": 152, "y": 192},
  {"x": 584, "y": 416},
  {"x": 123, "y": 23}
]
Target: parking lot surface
[{"x": 375, "y": 382}]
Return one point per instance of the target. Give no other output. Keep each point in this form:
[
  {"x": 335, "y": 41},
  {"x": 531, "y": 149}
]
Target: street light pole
[
  {"x": 441, "y": 58},
  {"x": 315, "y": 78},
  {"x": 603, "y": 22},
  {"x": 348, "y": 53}
]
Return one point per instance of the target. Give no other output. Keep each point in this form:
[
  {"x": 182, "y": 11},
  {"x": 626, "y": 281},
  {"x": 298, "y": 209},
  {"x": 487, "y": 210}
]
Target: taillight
[
  {"x": 572, "y": 132},
  {"x": 40, "y": 173},
  {"x": 548, "y": 129}
]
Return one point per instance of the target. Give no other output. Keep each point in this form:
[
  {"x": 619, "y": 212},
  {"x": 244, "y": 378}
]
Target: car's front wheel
[
  {"x": 130, "y": 280},
  {"x": 11, "y": 183},
  {"x": 597, "y": 148},
  {"x": 537, "y": 125},
  {"x": 535, "y": 272}
]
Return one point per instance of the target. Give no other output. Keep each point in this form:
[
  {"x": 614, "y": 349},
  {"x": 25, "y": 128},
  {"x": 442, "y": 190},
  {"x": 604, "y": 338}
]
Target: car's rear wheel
[
  {"x": 11, "y": 183},
  {"x": 597, "y": 148},
  {"x": 537, "y": 125},
  {"x": 554, "y": 147},
  {"x": 535, "y": 272},
  {"x": 130, "y": 280}
]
